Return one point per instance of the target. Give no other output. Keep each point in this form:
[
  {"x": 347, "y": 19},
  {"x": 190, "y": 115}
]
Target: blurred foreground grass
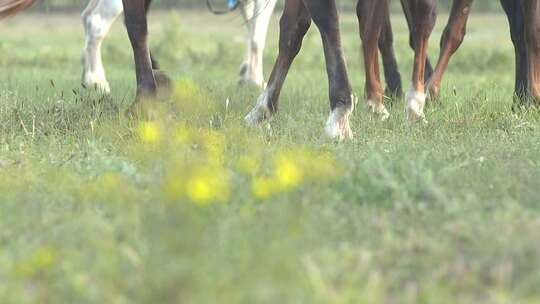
[{"x": 195, "y": 208}]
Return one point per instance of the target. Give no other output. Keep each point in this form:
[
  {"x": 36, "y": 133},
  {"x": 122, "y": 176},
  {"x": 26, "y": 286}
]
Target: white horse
[{"x": 99, "y": 15}]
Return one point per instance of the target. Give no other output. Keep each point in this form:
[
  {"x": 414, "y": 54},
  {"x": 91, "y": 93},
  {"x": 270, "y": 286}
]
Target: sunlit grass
[{"x": 191, "y": 206}]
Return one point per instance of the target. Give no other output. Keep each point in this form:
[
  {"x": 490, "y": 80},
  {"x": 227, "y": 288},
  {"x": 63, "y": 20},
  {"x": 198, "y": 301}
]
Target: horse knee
[
  {"x": 428, "y": 8},
  {"x": 96, "y": 27},
  {"x": 292, "y": 30},
  {"x": 427, "y": 15}
]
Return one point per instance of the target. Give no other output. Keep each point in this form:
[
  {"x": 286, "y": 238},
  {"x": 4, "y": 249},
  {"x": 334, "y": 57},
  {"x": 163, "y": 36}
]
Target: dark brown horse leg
[
  {"x": 451, "y": 40},
  {"x": 294, "y": 24},
  {"x": 532, "y": 39},
  {"x": 514, "y": 12},
  {"x": 424, "y": 15},
  {"x": 135, "y": 16},
  {"x": 392, "y": 76},
  {"x": 371, "y": 16},
  {"x": 325, "y": 16},
  {"x": 407, "y": 11}
]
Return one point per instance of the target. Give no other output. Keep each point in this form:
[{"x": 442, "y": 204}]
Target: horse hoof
[
  {"x": 98, "y": 84},
  {"x": 377, "y": 109},
  {"x": 337, "y": 126},
  {"x": 260, "y": 112},
  {"x": 415, "y": 106}
]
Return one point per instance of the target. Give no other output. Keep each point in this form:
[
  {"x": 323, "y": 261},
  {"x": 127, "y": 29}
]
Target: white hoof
[
  {"x": 415, "y": 102},
  {"x": 98, "y": 83},
  {"x": 260, "y": 112},
  {"x": 337, "y": 126},
  {"x": 378, "y": 109}
]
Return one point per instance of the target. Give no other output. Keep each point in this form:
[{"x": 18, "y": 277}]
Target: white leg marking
[
  {"x": 261, "y": 111},
  {"x": 337, "y": 126},
  {"x": 257, "y": 16},
  {"x": 98, "y": 17},
  {"x": 377, "y": 109},
  {"x": 414, "y": 107}
]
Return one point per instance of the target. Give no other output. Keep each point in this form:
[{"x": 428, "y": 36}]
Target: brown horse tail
[{"x": 11, "y": 7}]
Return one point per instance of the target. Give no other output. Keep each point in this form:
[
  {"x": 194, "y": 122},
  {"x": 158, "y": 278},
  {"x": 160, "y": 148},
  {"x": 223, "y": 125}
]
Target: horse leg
[
  {"x": 532, "y": 38},
  {"x": 391, "y": 71},
  {"x": 451, "y": 40},
  {"x": 137, "y": 28},
  {"x": 247, "y": 10},
  {"x": 424, "y": 13},
  {"x": 98, "y": 17},
  {"x": 294, "y": 24},
  {"x": 407, "y": 11},
  {"x": 257, "y": 20},
  {"x": 371, "y": 19},
  {"x": 514, "y": 12},
  {"x": 325, "y": 16}
]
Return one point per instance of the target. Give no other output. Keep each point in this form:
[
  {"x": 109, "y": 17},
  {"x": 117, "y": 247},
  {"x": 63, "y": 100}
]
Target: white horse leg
[
  {"x": 257, "y": 16},
  {"x": 247, "y": 11},
  {"x": 98, "y": 17}
]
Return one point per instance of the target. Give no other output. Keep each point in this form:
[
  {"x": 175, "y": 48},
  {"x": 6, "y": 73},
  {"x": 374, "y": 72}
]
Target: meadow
[{"x": 193, "y": 207}]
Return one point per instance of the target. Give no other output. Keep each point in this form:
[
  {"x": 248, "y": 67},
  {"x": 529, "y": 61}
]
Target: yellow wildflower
[
  {"x": 149, "y": 132},
  {"x": 288, "y": 174},
  {"x": 199, "y": 190},
  {"x": 263, "y": 187},
  {"x": 206, "y": 185}
]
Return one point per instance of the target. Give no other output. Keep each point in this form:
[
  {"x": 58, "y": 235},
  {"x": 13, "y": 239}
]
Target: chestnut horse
[
  {"x": 372, "y": 15},
  {"x": 100, "y": 14},
  {"x": 524, "y": 21}
]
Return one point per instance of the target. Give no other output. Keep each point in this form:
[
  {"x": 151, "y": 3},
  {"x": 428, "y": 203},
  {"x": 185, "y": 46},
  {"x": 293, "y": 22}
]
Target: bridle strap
[{"x": 212, "y": 8}]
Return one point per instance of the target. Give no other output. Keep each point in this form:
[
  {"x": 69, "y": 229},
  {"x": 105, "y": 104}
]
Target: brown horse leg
[
  {"x": 371, "y": 15},
  {"x": 392, "y": 76},
  {"x": 451, "y": 40},
  {"x": 424, "y": 13},
  {"x": 532, "y": 38},
  {"x": 135, "y": 16},
  {"x": 325, "y": 16},
  {"x": 407, "y": 11},
  {"x": 294, "y": 24},
  {"x": 514, "y": 12}
]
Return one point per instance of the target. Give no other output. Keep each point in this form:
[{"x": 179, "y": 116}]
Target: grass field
[{"x": 195, "y": 208}]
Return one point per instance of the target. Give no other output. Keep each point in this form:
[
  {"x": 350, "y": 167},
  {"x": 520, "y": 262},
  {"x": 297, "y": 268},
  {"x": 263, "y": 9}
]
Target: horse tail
[{"x": 11, "y": 7}]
